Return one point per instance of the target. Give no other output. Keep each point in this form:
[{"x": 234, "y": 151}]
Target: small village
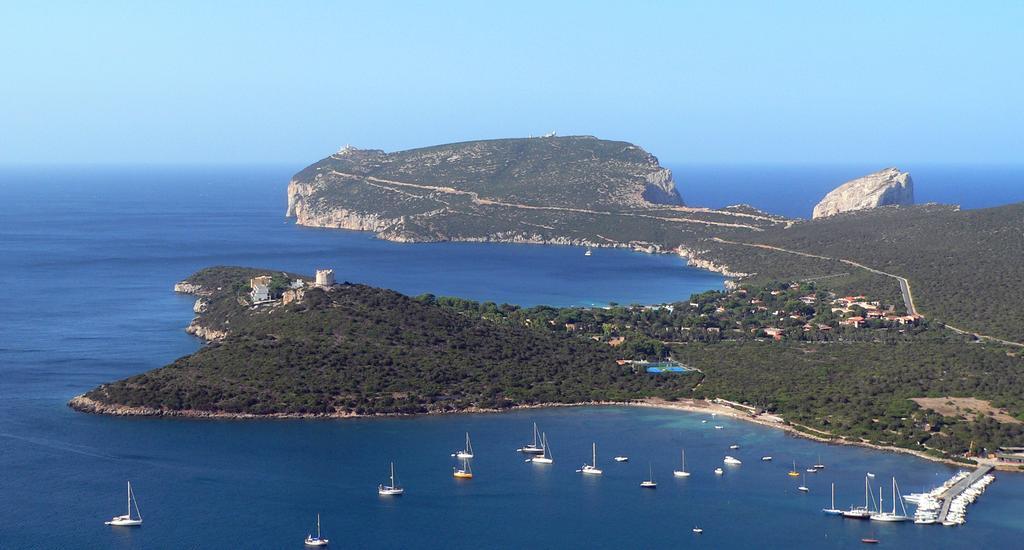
[{"x": 780, "y": 311}]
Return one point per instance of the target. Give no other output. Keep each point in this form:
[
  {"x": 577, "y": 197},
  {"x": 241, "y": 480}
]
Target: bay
[{"x": 88, "y": 257}]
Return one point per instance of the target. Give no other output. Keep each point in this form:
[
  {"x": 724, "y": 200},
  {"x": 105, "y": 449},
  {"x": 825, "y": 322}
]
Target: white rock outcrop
[{"x": 885, "y": 187}]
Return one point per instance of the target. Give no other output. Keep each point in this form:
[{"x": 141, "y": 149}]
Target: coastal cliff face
[{"x": 882, "y": 188}]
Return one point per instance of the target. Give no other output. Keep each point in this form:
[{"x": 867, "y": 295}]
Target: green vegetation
[
  {"x": 963, "y": 265},
  {"x": 357, "y": 349},
  {"x": 362, "y": 350}
]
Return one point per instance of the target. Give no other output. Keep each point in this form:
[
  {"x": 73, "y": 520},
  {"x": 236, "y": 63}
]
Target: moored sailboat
[
  {"x": 467, "y": 451},
  {"x": 591, "y": 469},
  {"x": 649, "y": 483},
  {"x": 891, "y": 516},
  {"x": 681, "y": 472},
  {"x": 535, "y": 448},
  {"x": 794, "y": 472},
  {"x": 465, "y": 472},
  {"x": 127, "y": 520},
  {"x": 862, "y": 512},
  {"x": 832, "y": 510},
  {"x": 393, "y": 489},
  {"x": 546, "y": 457},
  {"x": 318, "y": 540}
]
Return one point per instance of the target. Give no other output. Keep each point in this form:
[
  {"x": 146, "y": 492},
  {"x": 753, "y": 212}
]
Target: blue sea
[{"x": 88, "y": 257}]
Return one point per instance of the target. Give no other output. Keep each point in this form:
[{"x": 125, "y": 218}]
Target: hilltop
[
  {"x": 960, "y": 265},
  {"x": 575, "y": 189},
  {"x": 352, "y": 349},
  {"x": 856, "y": 368}
]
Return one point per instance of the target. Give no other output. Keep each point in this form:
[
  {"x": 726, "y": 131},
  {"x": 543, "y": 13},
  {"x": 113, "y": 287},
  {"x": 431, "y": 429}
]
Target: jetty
[{"x": 958, "y": 489}]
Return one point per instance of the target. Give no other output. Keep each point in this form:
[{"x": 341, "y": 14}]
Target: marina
[{"x": 947, "y": 504}]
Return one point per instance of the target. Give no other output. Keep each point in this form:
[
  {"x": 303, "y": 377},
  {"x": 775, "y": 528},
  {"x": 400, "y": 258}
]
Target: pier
[{"x": 960, "y": 487}]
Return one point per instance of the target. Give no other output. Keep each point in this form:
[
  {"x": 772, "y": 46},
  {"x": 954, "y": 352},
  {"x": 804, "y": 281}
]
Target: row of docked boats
[
  {"x": 929, "y": 505},
  {"x": 870, "y": 510},
  {"x": 958, "y": 507}
]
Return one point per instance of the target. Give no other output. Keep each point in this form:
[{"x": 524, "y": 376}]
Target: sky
[{"x": 695, "y": 82}]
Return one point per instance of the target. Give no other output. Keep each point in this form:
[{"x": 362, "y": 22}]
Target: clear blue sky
[{"x": 881, "y": 82}]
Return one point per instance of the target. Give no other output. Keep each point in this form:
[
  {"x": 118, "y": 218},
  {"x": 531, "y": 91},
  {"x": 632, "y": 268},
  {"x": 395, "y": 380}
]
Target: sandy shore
[{"x": 84, "y": 404}]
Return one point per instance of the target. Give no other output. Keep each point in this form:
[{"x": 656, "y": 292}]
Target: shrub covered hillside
[{"x": 358, "y": 349}]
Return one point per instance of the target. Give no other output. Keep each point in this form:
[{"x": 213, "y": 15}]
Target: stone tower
[{"x": 324, "y": 278}]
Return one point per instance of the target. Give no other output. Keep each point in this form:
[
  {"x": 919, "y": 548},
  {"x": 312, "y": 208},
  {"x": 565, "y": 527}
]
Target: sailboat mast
[
  {"x": 865, "y": 492},
  {"x": 894, "y": 496},
  {"x": 833, "y": 496},
  {"x": 318, "y": 526},
  {"x": 594, "y": 457},
  {"x": 392, "y": 474},
  {"x": 534, "y": 434},
  {"x": 129, "y": 499}
]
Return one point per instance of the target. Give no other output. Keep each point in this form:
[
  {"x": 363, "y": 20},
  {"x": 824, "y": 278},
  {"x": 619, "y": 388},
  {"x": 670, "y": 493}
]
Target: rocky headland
[{"x": 883, "y": 188}]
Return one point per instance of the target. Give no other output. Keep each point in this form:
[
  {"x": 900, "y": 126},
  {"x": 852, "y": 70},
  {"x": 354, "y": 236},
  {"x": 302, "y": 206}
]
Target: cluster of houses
[
  {"x": 261, "y": 293},
  {"x": 871, "y": 310}
]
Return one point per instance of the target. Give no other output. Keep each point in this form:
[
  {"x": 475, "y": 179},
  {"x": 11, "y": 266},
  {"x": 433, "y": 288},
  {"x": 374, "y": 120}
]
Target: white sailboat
[
  {"x": 467, "y": 451},
  {"x": 649, "y": 483},
  {"x": 681, "y": 472},
  {"x": 819, "y": 465},
  {"x": 546, "y": 457},
  {"x": 317, "y": 540},
  {"x": 891, "y": 516},
  {"x": 802, "y": 488},
  {"x": 465, "y": 472},
  {"x": 862, "y": 512},
  {"x": 127, "y": 520},
  {"x": 588, "y": 252},
  {"x": 591, "y": 469},
  {"x": 392, "y": 489},
  {"x": 535, "y": 448},
  {"x": 832, "y": 510}
]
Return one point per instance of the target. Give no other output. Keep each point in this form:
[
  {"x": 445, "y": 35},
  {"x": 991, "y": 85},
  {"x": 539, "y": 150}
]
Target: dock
[{"x": 960, "y": 487}]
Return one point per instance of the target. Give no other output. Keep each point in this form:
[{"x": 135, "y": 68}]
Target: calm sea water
[{"x": 88, "y": 258}]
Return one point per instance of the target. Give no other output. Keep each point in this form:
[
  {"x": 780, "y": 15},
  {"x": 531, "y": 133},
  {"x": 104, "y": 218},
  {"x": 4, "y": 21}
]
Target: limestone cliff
[{"x": 882, "y": 188}]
